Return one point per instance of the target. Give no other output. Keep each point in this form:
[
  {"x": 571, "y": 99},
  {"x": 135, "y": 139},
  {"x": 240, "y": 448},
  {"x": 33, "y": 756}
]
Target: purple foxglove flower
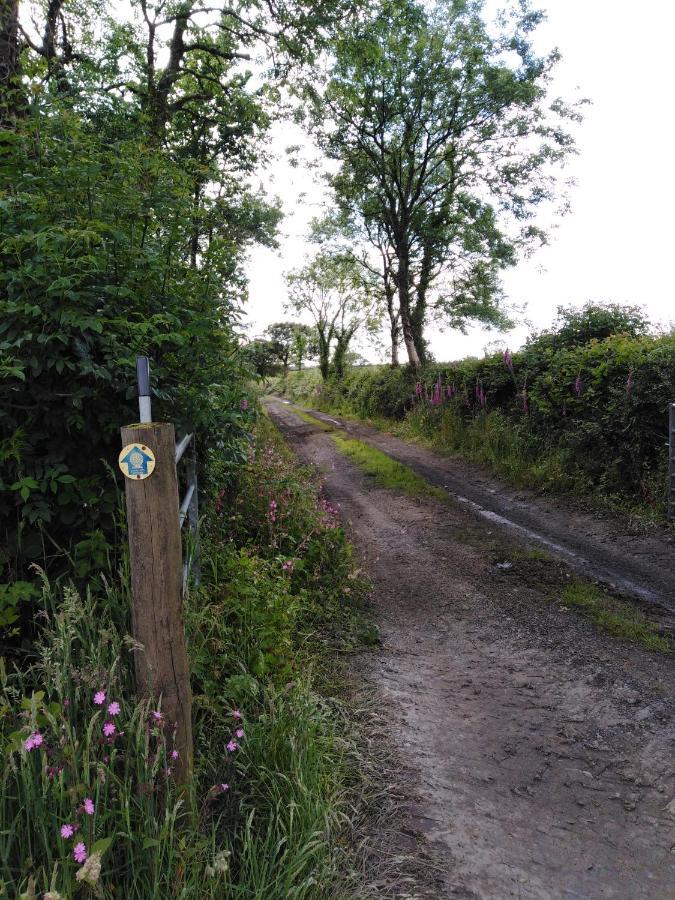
[
  {"x": 629, "y": 383},
  {"x": 508, "y": 360}
]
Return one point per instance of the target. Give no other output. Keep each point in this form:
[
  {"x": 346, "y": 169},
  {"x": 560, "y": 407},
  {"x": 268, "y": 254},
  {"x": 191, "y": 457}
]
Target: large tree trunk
[
  {"x": 403, "y": 285},
  {"x": 394, "y": 322},
  {"x": 324, "y": 351},
  {"x": 395, "y": 362},
  {"x": 9, "y": 62},
  {"x": 418, "y": 312}
]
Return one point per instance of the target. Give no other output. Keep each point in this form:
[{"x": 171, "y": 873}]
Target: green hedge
[{"x": 591, "y": 417}]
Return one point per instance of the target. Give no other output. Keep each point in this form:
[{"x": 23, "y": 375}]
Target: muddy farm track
[{"x": 535, "y": 750}]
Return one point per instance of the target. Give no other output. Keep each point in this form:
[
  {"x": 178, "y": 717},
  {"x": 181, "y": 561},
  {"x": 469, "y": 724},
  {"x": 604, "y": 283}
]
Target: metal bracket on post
[
  {"x": 143, "y": 378},
  {"x": 671, "y": 462}
]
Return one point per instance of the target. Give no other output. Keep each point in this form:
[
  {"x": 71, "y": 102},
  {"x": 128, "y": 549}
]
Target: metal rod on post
[
  {"x": 193, "y": 511},
  {"x": 143, "y": 378},
  {"x": 671, "y": 462}
]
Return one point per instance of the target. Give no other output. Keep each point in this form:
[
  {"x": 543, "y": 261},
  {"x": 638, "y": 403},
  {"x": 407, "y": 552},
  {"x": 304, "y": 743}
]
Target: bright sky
[{"x": 617, "y": 242}]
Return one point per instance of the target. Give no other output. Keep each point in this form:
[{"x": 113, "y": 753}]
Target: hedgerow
[{"x": 591, "y": 417}]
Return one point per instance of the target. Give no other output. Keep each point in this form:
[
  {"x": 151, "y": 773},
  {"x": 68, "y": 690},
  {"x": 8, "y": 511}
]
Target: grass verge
[{"x": 88, "y": 804}]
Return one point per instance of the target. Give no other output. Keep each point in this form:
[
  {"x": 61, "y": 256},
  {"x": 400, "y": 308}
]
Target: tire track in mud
[{"x": 535, "y": 752}]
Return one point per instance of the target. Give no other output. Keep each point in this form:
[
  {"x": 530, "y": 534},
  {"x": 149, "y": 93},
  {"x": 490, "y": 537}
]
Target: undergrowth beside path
[{"x": 89, "y": 806}]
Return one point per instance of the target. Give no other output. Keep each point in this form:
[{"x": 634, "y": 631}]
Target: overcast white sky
[{"x": 617, "y": 242}]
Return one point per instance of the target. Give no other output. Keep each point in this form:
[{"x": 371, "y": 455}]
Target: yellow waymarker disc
[{"x": 137, "y": 461}]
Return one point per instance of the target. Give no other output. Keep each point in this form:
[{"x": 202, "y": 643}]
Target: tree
[
  {"x": 331, "y": 290},
  {"x": 9, "y": 60},
  {"x": 263, "y": 357},
  {"x": 575, "y": 326},
  {"x": 305, "y": 345},
  {"x": 292, "y": 340},
  {"x": 445, "y": 142}
]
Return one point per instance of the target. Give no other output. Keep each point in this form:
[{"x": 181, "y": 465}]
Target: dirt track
[{"x": 535, "y": 751}]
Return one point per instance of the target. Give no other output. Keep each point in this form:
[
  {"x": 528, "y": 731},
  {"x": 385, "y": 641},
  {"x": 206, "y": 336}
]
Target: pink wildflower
[
  {"x": 88, "y": 806},
  {"x": 239, "y": 733},
  {"x": 236, "y": 714},
  {"x": 99, "y": 698},
  {"x": 158, "y": 717},
  {"x": 244, "y": 404},
  {"x": 109, "y": 729},
  {"x": 629, "y": 383},
  {"x": 80, "y": 853},
  {"x": 232, "y": 746},
  {"x": 67, "y": 831},
  {"x": 168, "y": 771},
  {"x": 114, "y": 708},
  {"x": 66, "y": 703},
  {"x": 224, "y": 787},
  {"x": 175, "y": 754},
  {"x": 33, "y": 740},
  {"x": 508, "y": 360}
]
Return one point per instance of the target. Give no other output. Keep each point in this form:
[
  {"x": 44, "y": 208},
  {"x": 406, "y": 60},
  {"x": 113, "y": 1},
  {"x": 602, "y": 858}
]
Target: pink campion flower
[
  {"x": 157, "y": 716},
  {"x": 578, "y": 386},
  {"x": 224, "y": 787},
  {"x": 168, "y": 771},
  {"x": 175, "y": 754},
  {"x": 33, "y": 740},
  {"x": 232, "y": 746},
  {"x": 288, "y": 566},
  {"x": 80, "y": 852},
  {"x": 99, "y": 698},
  {"x": 114, "y": 708},
  {"x": 67, "y": 831},
  {"x": 239, "y": 733},
  {"x": 109, "y": 729},
  {"x": 88, "y": 806},
  {"x": 236, "y": 714},
  {"x": 66, "y": 703}
]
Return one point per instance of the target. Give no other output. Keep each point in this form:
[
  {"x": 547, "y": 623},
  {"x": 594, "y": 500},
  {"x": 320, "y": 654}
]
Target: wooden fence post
[{"x": 156, "y": 584}]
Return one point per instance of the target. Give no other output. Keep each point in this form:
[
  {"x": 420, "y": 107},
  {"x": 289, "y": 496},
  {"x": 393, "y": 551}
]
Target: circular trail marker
[{"x": 137, "y": 461}]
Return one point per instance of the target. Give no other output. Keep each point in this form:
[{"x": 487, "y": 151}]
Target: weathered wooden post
[{"x": 162, "y": 669}]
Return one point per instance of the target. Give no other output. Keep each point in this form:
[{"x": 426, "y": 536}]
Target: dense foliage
[
  {"x": 124, "y": 220},
  {"x": 447, "y": 141},
  {"x": 571, "y": 410},
  {"x": 95, "y": 269},
  {"x": 87, "y": 768}
]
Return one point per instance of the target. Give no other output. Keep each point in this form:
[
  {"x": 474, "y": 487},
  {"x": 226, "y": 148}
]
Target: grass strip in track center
[
  {"x": 310, "y": 420},
  {"x": 386, "y": 471}
]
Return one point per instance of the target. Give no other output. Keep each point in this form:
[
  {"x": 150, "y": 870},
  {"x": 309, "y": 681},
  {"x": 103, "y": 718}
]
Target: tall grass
[{"x": 86, "y": 810}]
